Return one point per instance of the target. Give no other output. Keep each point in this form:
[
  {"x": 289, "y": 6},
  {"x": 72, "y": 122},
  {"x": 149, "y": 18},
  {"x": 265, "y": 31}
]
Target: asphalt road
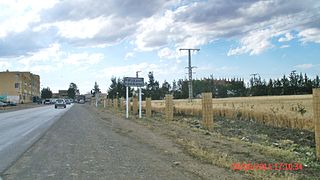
[
  {"x": 20, "y": 129},
  {"x": 83, "y": 146}
]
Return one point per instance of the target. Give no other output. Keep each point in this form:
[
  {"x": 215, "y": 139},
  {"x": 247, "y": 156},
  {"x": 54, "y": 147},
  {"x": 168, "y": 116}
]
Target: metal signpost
[{"x": 133, "y": 82}]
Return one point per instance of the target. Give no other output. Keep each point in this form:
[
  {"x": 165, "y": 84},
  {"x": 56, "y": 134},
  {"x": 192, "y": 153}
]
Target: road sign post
[
  {"x": 133, "y": 82},
  {"x": 127, "y": 101},
  {"x": 140, "y": 102}
]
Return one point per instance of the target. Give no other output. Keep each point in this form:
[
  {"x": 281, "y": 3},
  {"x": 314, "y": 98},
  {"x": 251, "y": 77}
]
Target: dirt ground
[
  {"x": 243, "y": 142},
  {"x": 146, "y": 133}
]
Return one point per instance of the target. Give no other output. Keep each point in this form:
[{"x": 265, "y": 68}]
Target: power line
[
  {"x": 254, "y": 75},
  {"x": 190, "y": 70}
]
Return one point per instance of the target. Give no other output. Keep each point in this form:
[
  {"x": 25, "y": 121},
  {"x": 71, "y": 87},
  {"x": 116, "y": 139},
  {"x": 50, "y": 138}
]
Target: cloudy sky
[{"x": 83, "y": 41}]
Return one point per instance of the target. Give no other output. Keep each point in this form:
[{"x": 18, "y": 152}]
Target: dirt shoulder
[
  {"x": 156, "y": 136},
  {"x": 239, "y": 142}
]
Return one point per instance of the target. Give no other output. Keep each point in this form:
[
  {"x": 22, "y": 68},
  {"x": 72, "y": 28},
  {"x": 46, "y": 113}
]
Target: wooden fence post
[
  {"x": 135, "y": 106},
  {"x": 169, "y": 107},
  {"x": 129, "y": 105},
  {"x": 148, "y": 107},
  {"x": 316, "y": 119},
  {"x": 207, "y": 111},
  {"x": 122, "y": 107},
  {"x": 115, "y": 104}
]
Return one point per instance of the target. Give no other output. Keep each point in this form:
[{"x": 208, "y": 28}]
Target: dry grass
[
  {"x": 222, "y": 159},
  {"x": 280, "y": 111}
]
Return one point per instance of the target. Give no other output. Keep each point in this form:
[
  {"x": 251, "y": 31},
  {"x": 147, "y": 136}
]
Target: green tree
[
  {"x": 117, "y": 88},
  {"x": 165, "y": 89},
  {"x": 95, "y": 89},
  {"x": 316, "y": 82},
  {"x": 285, "y": 85},
  {"x": 73, "y": 90},
  {"x": 46, "y": 93},
  {"x": 182, "y": 92},
  {"x": 152, "y": 88}
]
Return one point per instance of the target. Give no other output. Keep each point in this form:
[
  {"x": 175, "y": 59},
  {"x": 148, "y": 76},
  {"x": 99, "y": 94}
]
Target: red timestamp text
[{"x": 267, "y": 166}]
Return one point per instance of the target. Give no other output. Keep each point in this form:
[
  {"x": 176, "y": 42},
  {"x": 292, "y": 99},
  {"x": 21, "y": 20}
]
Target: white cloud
[
  {"x": 157, "y": 25},
  {"x": 16, "y": 16},
  {"x": 304, "y": 66},
  {"x": 255, "y": 43},
  {"x": 152, "y": 33},
  {"x": 83, "y": 58},
  {"x": 284, "y": 46},
  {"x": 129, "y": 55},
  {"x": 37, "y": 69},
  {"x": 167, "y": 53},
  {"x": 287, "y": 37},
  {"x": 259, "y": 8},
  {"x": 310, "y": 35},
  {"x": 128, "y": 70},
  {"x": 52, "y": 53},
  {"x": 82, "y": 29},
  {"x": 199, "y": 23},
  {"x": 4, "y": 65},
  {"x": 52, "y": 59}
]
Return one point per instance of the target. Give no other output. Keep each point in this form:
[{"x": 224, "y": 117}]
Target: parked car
[
  {"x": 53, "y": 101},
  {"x": 60, "y": 103},
  {"x": 40, "y": 101},
  {"x": 10, "y": 103},
  {"x": 68, "y": 101},
  {"x": 47, "y": 101},
  {"x": 2, "y": 104}
]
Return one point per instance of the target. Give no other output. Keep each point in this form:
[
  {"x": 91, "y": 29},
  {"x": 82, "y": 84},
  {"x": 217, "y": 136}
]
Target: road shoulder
[{"x": 145, "y": 132}]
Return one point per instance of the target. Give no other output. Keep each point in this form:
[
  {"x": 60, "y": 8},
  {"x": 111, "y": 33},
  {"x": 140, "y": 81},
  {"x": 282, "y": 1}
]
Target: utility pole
[
  {"x": 254, "y": 76},
  {"x": 190, "y": 71}
]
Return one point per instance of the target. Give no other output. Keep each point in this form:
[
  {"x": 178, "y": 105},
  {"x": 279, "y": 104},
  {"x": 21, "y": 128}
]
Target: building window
[{"x": 16, "y": 85}]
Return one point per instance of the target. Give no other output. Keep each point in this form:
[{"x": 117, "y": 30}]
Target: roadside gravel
[{"x": 83, "y": 146}]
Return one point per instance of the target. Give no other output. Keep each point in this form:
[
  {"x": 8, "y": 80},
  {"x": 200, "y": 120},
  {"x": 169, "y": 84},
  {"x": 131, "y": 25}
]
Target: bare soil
[{"x": 240, "y": 141}]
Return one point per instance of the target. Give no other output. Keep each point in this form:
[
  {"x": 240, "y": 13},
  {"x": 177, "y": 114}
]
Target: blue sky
[{"x": 92, "y": 40}]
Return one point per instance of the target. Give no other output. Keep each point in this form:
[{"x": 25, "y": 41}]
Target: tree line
[
  {"x": 46, "y": 93},
  {"x": 293, "y": 84}
]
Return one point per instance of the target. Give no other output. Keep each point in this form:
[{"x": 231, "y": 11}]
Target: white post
[
  {"x": 104, "y": 102},
  {"x": 140, "y": 102},
  {"x": 97, "y": 99},
  {"x": 127, "y": 102}
]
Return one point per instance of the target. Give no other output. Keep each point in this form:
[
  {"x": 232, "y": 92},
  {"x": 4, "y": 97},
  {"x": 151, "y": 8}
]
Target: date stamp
[{"x": 267, "y": 166}]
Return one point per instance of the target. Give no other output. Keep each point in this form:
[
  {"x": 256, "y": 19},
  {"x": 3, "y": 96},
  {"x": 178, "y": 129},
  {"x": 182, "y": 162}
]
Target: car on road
[
  {"x": 81, "y": 101},
  {"x": 60, "y": 103}
]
